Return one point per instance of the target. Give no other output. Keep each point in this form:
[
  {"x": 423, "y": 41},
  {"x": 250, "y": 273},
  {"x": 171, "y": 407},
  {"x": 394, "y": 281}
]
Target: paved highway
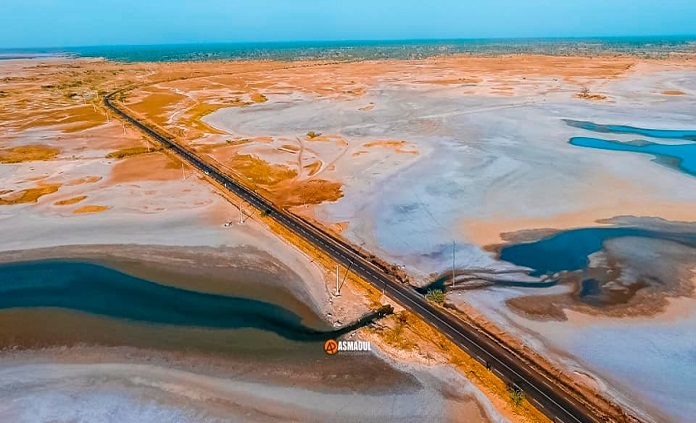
[{"x": 538, "y": 388}]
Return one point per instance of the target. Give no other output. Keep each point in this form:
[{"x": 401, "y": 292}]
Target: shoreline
[
  {"x": 252, "y": 273},
  {"x": 86, "y": 356}
]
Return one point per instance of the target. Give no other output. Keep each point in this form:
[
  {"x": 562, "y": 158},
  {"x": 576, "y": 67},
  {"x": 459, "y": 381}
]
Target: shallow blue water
[
  {"x": 681, "y": 157},
  {"x": 102, "y": 291},
  {"x": 622, "y": 129},
  {"x": 386, "y": 49},
  {"x": 569, "y": 250}
]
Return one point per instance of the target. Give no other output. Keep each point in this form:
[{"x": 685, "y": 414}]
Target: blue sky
[{"x": 63, "y": 23}]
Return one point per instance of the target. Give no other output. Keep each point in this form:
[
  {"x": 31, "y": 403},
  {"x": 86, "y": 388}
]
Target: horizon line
[{"x": 366, "y": 40}]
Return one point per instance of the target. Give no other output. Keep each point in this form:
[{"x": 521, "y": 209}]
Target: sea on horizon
[{"x": 654, "y": 47}]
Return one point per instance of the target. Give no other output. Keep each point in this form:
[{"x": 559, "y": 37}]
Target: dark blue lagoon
[
  {"x": 101, "y": 291},
  {"x": 570, "y": 250}
]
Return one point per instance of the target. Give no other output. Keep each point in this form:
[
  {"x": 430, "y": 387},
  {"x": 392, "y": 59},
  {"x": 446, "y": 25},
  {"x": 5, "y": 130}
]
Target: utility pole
[
  {"x": 339, "y": 284},
  {"x": 241, "y": 212},
  {"x": 350, "y": 266},
  {"x": 124, "y": 127},
  {"x": 183, "y": 173},
  {"x": 338, "y": 291},
  {"x": 453, "y": 248}
]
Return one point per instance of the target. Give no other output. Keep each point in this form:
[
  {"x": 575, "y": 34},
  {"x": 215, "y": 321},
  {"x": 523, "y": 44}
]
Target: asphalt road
[{"x": 540, "y": 390}]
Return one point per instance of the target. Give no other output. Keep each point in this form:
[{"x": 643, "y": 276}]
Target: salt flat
[
  {"x": 400, "y": 157},
  {"x": 488, "y": 162}
]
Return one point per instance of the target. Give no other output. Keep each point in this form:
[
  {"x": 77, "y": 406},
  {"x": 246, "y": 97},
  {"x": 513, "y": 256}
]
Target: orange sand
[
  {"x": 313, "y": 168},
  {"x": 73, "y": 119},
  {"x": 85, "y": 180},
  {"x": 291, "y": 147},
  {"x": 28, "y": 153},
  {"x": 70, "y": 201},
  {"x": 149, "y": 167},
  {"x": 133, "y": 151},
  {"x": 29, "y": 195},
  {"x": 258, "y": 98},
  {"x": 259, "y": 172},
  {"x": 397, "y": 146},
  {"x": 155, "y": 104},
  {"x": 90, "y": 209}
]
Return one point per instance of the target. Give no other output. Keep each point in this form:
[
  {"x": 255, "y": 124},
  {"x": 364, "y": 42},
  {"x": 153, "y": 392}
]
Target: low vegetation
[
  {"x": 395, "y": 335},
  {"x": 28, "y": 153},
  {"x": 131, "y": 151},
  {"x": 585, "y": 94},
  {"x": 311, "y": 135},
  {"x": 120, "y": 97},
  {"x": 278, "y": 182},
  {"x": 311, "y": 191},
  {"x": 436, "y": 295},
  {"x": 261, "y": 172},
  {"x": 516, "y": 396}
]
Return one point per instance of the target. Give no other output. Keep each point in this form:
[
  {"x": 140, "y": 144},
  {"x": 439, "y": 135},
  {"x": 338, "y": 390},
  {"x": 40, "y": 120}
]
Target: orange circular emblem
[{"x": 331, "y": 347}]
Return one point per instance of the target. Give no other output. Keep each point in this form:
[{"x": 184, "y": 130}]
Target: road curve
[{"x": 543, "y": 392}]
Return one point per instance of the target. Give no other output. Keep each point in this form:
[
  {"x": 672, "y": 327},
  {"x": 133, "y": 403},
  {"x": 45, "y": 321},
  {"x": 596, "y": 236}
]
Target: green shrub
[
  {"x": 436, "y": 296},
  {"x": 516, "y": 396}
]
